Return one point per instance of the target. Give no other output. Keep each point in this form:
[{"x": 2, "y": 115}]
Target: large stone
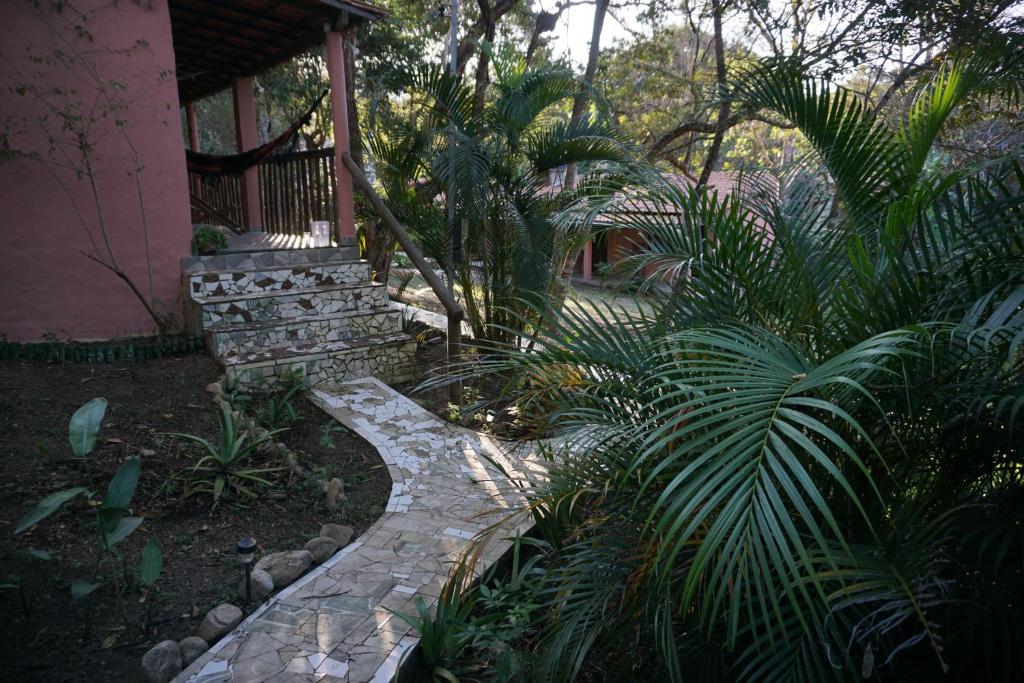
[
  {"x": 262, "y": 585},
  {"x": 285, "y": 567},
  {"x": 162, "y": 662},
  {"x": 340, "y": 533},
  {"x": 219, "y": 621},
  {"x": 321, "y": 548},
  {"x": 192, "y": 649}
]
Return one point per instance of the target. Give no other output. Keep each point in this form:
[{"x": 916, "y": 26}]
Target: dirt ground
[{"x": 44, "y": 635}]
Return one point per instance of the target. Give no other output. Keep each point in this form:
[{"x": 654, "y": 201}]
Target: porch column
[
  {"x": 339, "y": 118},
  {"x": 193, "y": 139},
  {"x": 247, "y": 138},
  {"x": 588, "y": 260}
]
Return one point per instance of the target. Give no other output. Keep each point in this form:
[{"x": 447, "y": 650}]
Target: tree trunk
[
  {"x": 567, "y": 262},
  {"x": 355, "y": 133},
  {"x": 483, "y": 60},
  {"x": 721, "y": 76},
  {"x": 579, "y": 104},
  {"x": 380, "y": 244},
  {"x": 546, "y": 22}
]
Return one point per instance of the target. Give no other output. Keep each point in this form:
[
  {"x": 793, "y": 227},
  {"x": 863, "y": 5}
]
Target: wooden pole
[{"x": 451, "y": 307}]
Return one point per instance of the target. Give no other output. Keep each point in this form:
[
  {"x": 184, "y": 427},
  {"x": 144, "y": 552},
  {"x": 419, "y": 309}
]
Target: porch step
[
  {"x": 389, "y": 357},
  {"x": 234, "y": 260},
  {"x": 233, "y": 339},
  {"x": 293, "y": 303},
  {"x": 207, "y": 283}
]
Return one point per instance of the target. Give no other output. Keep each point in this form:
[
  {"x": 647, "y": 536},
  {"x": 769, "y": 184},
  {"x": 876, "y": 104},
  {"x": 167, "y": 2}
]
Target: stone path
[{"x": 334, "y": 624}]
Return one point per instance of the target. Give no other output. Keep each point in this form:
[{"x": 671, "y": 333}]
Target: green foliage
[
  {"x": 223, "y": 471},
  {"x": 497, "y": 170},
  {"x": 207, "y": 240},
  {"x": 277, "y": 411},
  {"x": 327, "y": 432},
  {"x": 113, "y": 517},
  {"x": 150, "y": 563},
  {"x": 805, "y": 464},
  {"x": 85, "y": 423}
]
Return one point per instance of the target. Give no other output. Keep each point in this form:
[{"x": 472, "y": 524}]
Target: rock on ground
[
  {"x": 262, "y": 585},
  {"x": 162, "y": 662},
  {"x": 191, "y": 649},
  {"x": 340, "y": 533},
  {"x": 219, "y": 621},
  {"x": 321, "y": 548},
  {"x": 285, "y": 567}
]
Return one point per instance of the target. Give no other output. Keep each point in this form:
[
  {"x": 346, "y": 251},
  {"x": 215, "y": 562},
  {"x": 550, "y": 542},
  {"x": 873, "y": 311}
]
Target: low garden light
[{"x": 246, "y": 549}]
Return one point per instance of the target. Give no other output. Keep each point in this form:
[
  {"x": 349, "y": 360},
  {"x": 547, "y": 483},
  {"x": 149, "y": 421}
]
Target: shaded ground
[{"x": 44, "y": 635}]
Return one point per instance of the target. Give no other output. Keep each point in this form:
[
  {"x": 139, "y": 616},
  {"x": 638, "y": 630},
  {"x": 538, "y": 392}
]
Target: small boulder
[
  {"x": 340, "y": 533},
  {"x": 334, "y": 493},
  {"x": 262, "y": 585},
  {"x": 285, "y": 567},
  {"x": 191, "y": 649},
  {"x": 214, "y": 388},
  {"x": 321, "y": 548},
  {"x": 219, "y": 621},
  {"x": 162, "y": 662}
]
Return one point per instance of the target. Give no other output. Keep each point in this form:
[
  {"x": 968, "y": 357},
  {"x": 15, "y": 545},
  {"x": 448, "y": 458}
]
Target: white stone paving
[{"x": 335, "y": 623}]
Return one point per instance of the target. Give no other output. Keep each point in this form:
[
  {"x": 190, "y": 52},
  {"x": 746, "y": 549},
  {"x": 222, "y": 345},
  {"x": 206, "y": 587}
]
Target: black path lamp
[{"x": 246, "y": 549}]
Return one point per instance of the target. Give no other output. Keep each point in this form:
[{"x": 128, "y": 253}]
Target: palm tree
[
  {"x": 807, "y": 463},
  {"x": 500, "y": 162}
]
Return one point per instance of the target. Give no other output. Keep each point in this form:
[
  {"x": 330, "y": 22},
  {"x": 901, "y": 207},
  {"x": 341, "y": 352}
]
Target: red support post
[
  {"x": 247, "y": 137},
  {"x": 193, "y": 139}
]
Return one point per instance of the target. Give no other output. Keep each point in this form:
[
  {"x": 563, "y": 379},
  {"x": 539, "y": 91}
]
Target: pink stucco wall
[{"x": 48, "y": 286}]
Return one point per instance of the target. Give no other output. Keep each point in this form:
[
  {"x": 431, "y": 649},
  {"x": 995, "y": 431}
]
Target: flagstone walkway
[{"x": 334, "y": 624}]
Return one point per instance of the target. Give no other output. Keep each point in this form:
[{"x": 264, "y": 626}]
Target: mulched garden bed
[
  {"x": 483, "y": 407},
  {"x": 44, "y": 635}
]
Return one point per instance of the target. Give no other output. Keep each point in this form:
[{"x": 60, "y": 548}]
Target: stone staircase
[{"x": 314, "y": 311}]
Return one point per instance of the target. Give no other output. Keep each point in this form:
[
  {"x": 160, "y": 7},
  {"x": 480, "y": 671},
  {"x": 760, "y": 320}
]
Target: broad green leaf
[
  {"x": 124, "y": 528},
  {"x": 85, "y": 423},
  {"x": 47, "y": 506},
  {"x": 39, "y": 554},
  {"x": 82, "y": 589},
  {"x": 151, "y": 562},
  {"x": 122, "y": 486}
]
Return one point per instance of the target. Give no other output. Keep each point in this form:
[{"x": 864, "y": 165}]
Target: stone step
[
  {"x": 233, "y": 339},
  {"x": 275, "y": 278},
  {"x": 389, "y": 357},
  {"x": 288, "y": 304},
  {"x": 234, "y": 260}
]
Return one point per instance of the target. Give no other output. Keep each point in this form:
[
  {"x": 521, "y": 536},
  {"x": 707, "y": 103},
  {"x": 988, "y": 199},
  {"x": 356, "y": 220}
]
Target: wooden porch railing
[
  {"x": 222, "y": 193},
  {"x": 295, "y": 189}
]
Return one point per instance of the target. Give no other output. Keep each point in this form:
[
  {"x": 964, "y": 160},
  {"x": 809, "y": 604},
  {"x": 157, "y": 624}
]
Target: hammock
[{"x": 234, "y": 164}]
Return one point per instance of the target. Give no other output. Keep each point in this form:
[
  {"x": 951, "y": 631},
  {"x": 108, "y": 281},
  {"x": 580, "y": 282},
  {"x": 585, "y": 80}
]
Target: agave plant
[
  {"x": 223, "y": 470},
  {"x": 807, "y": 463},
  {"x": 495, "y": 157}
]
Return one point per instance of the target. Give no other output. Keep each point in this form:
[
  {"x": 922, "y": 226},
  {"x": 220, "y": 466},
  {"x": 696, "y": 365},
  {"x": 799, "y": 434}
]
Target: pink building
[
  {"x": 94, "y": 191},
  {"x": 616, "y": 245}
]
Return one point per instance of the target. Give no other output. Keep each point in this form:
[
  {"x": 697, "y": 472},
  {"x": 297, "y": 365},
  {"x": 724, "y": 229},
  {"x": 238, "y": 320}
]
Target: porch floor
[{"x": 265, "y": 241}]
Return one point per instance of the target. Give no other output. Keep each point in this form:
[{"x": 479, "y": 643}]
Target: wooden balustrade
[
  {"x": 223, "y": 194},
  {"x": 295, "y": 189}
]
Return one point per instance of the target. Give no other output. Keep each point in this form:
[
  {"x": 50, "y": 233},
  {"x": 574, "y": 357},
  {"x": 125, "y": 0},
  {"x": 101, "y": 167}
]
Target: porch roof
[{"x": 215, "y": 42}]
